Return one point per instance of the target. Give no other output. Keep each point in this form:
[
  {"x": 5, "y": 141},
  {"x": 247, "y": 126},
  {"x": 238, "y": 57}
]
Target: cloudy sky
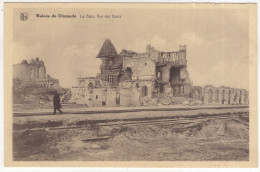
[{"x": 216, "y": 39}]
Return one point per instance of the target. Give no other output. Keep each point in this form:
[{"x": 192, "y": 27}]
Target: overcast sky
[{"x": 217, "y": 41}]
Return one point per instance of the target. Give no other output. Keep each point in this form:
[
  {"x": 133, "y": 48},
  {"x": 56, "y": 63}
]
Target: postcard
[{"x": 130, "y": 84}]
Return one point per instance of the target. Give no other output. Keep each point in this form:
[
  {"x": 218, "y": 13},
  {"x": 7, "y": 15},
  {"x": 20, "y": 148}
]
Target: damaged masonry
[{"x": 150, "y": 78}]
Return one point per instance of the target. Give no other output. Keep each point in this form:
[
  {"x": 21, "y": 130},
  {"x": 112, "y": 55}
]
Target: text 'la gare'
[{"x": 100, "y": 16}]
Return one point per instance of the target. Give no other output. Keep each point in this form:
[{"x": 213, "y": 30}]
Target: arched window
[
  {"x": 196, "y": 96},
  {"x": 210, "y": 95},
  {"x": 217, "y": 96},
  {"x": 229, "y": 97},
  {"x": 223, "y": 96}
]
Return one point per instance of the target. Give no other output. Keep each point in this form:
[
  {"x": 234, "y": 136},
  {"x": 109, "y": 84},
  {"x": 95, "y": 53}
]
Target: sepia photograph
[{"x": 130, "y": 83}]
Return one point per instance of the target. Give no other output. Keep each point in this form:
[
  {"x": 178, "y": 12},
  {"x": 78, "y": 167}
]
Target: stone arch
[
  {"x": 224, "y": 93},
  {"x": 229, "y": 96},
  {"x": 242, "y": 96},
  {"x": 209, "y": 94},
  {"x": 236, "y": 96},
  {"x": 217, "y": 95},
  {"x": 223, "y": 96},
  {"x": 210, "y": 98},
  {"x": 128, "y": 73},
  {"x": 196, "y": 92},
  {"x": 41, "y": 72}
]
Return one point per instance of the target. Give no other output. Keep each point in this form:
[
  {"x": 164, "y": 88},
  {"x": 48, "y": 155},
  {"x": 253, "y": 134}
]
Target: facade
[
  {"x": 34, "y": 72},
  {"x": 128, "y": 78}
]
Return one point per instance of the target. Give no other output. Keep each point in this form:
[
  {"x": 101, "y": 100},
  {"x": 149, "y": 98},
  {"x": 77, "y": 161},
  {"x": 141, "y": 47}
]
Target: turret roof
[{"x": 107, "y": 50}]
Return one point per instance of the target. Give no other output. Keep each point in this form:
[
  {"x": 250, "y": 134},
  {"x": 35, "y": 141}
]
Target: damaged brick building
[
  {"x": 34, "y": 72},
  {"x": 129, "y": 77}
]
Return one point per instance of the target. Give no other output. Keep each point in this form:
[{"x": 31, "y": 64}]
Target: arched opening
[
  {"x": 31, "y": 74},
  {"x": 229, "y": 97},
  {"x": 217, "y": 96},
  {"x": 196, "y": 94},
  {"x": 144, "y": 91},
  {"x": 210, "y": 96},
  {"x": 235, "y": 97},
  {"x": 41, "y": 72},
  {"x": 174, "y": 75},
  {"x": 223, "y": 97},
  {"x": 128, "y": 73}
]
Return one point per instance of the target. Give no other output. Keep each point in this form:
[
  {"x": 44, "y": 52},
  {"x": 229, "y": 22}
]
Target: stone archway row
[{"x": 220, "y": 95}]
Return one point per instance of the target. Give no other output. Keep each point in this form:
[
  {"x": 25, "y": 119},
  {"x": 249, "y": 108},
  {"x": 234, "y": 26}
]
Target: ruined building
[
  {"x": 111, "y": 63},
  {"x": 34, "y": 72},
  {"x": 128, "y": 77}
]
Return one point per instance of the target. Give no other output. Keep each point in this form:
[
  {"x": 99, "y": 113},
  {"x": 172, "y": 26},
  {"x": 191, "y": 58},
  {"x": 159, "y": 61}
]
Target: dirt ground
[{"x": 213, "y": 139}]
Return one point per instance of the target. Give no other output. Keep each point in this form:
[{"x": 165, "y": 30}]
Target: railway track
[{"x": 173, "y": 122}]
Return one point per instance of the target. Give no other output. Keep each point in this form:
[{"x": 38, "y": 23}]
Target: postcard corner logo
[{"x": 23, "y": 16}]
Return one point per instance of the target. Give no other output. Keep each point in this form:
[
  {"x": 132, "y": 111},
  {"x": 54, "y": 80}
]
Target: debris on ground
[
  {"x": 196, "y": 141},
  {"x": 35, "y": 96}
]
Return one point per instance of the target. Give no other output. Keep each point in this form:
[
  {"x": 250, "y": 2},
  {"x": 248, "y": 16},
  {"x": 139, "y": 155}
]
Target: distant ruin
[
  {"x": 127, "y": 78},
  {"x": 34, "y": 72}
]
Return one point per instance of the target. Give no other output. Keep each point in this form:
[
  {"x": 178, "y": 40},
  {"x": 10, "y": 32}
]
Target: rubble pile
[
  {"x": 169, "y": 100},
  {"x": 146, "y": 101},
  {"x": 32, "y": 94},
  {"x": 66, "y": 97},
  {"x": 161, "y": 99}
]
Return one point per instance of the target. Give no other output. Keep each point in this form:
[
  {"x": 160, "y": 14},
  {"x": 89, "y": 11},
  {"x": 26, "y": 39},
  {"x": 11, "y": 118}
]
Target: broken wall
[
  {"x": 129, "y": 97},
  {"x": 184, "y": 75},
  {"x": 224, "y": 95},
  {"x": 163, "y": 73},
  {"x": 88, "y": 96},
  {"x": 111, "y": 97},
  {"x": 95, "y": 97},
  {"x": 208, "y": 93},
  {"x": 152, "y": 53},
  {"x": 141, "y": 66},
  {"x": 132, "y": 92},
  {"x": 196, "y": 92}
]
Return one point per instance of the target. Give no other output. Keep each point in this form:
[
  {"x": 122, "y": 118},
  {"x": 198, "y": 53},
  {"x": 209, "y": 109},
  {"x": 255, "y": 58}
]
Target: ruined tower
[
  {"x": 34, "y": 72},
  {"x": 111, "y": 63}
]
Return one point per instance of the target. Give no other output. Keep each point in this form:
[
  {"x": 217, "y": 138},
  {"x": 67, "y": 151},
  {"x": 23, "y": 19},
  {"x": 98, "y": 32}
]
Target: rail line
[{"x": 180, "y": 122}]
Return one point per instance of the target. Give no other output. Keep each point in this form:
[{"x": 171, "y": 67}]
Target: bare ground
[{"x": 213, "y": 139}]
